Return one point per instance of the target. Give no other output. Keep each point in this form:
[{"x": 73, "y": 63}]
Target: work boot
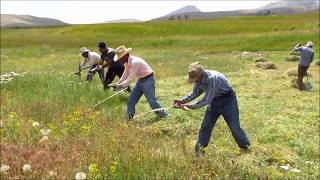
[{"x": 199, "y": 149}]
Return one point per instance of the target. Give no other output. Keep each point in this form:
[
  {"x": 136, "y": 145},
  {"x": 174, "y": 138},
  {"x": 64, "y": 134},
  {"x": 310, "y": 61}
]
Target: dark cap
[{"x": 102, "y": 44}]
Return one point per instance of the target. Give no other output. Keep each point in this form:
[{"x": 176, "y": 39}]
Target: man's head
[
  {"x": 195, "y": 71},
  {"x": 309, "y": 44},
  {"x": 102, "y": 47},
  {"x": 84, "y": 52},
  {"x": 122, "y": 54}
]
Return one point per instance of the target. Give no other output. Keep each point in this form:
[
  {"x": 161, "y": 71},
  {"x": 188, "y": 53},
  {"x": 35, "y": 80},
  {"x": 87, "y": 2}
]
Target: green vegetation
[{"x": 282, "y": 122}]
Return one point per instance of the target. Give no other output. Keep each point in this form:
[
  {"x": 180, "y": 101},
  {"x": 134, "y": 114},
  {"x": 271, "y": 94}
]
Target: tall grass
[{"x": 281, "y": 122}]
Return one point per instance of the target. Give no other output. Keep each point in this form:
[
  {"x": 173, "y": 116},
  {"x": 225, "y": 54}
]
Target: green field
[{"x": 282, "y": 122}]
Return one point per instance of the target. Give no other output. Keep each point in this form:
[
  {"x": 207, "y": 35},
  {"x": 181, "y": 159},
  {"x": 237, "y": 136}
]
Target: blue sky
[{"x": 86, "y": 12}]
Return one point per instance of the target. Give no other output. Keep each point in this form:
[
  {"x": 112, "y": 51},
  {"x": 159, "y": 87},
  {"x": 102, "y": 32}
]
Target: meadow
[{"x": 282, "y": 122}]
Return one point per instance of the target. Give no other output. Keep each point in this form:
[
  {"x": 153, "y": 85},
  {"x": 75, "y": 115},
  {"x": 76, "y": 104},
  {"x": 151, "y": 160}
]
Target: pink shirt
[{"x": 135, "y": 67}]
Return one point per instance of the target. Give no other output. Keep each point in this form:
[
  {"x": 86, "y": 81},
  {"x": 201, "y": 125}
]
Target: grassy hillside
[{"x": 282, "y": 122}]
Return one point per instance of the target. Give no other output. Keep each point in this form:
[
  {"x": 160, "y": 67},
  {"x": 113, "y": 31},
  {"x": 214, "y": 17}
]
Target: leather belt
[{"x": 147, "y": 76}]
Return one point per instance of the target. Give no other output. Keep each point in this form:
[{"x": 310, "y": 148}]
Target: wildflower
[
  {"x": 45, "y": 132},
  {"x": 93, "y": 168},
  {"x": 81, "y": 176},
  {"x": 285, "y": 167},
  {"x": 113, "y": 168},
  {"x": 52, "y": 173},
  {"x": 26, "y": 168},
  {"x": 44, "y": 138},
  {"x": 4, "y": 169},
  {"x": 35, "y": 124},
  {"x": 295, "y": 170}
]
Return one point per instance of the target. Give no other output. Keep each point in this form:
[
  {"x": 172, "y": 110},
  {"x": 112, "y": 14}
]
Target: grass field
[{"x": 282, "y": 122}]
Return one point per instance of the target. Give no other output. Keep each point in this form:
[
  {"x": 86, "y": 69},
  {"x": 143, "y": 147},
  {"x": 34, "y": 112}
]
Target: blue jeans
[
  {"x": 144, "y": 87},
  {"x": 228, "y": 108}
]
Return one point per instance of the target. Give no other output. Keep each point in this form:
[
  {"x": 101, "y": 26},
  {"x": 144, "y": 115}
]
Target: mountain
[
  {"x": 185, "y": 9},
  {"x": 123, "y": 21},
  {"x": 26, "y": 21},
  {"x": 281, "y": 7},
  {"x": 306, "y": 5}
]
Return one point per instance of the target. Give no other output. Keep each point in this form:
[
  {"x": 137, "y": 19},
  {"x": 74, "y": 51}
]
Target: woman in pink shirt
[{"x": 137, "y": 67}]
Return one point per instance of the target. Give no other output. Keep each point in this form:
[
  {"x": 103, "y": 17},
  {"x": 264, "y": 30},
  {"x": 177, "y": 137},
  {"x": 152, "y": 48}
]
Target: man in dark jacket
[{"x": 114, "y": 68}]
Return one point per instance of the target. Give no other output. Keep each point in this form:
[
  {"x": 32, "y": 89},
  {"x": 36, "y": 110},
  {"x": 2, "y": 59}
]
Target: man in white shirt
[
  {"x": 137, "y": 67},
  {"x": 91, "y": 61}
]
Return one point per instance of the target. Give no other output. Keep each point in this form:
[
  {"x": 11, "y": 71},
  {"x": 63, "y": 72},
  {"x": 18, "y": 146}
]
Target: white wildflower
[
  {"x": 285, "y": 167},
  {"x": 44, "y": 138},
  {"x": 53, "y": 173},
  {"x": 26, "y": 168},
  {"x": 4, "y": 169},
  {"x": 295, "y": 170},
  {"x": 35, "y": 124},
  {"x": 45, "y": 132},
  {"x": 81, "y": 176}
]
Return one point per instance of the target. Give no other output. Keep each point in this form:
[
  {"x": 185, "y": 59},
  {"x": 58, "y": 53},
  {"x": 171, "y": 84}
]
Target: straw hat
[
  {"x": 195, "y": 70},
  {"x": 83, "y": 50},
  {"x": 121, "y": 51},
  {"x": 309, "y": 44}
]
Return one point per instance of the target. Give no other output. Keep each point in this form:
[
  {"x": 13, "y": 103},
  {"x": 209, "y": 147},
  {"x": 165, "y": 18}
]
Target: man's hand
[
  {"x": 185, "y": 107},
  {"x": 118, "y": 87},
  {"x": 178, "y": 102}
]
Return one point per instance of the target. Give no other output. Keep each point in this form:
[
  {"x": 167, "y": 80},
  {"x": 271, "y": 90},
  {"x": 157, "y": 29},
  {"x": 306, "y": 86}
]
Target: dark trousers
[
  {"x": 115, "y": 69},
  {"x": 302, "y": 71},
  {"x": 228, "y": 108},
  {"x": 91, "y": 74}
]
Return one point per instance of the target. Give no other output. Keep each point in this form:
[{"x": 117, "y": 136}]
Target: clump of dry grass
[
  {"x": 266, "y": 65},
  {"x": 292, "y": 58},
  {"x": 250, "y": 55},
  {"x": 294, "y": 72}
]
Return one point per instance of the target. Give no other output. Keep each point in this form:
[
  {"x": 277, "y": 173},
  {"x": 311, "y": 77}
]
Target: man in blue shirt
[
  {"x": 221, "y": 100},
  {"x": 306, "y": 58}
]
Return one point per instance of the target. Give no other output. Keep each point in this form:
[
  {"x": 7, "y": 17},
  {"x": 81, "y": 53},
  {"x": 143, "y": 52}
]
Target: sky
[{"x": 86, "y": 12}]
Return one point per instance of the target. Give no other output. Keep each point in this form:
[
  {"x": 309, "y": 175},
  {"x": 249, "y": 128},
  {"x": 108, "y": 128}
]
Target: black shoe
[
  {"x": 199, "y": 149},
  {"x": 246, "y": 149},
  {"x": 130, "y": 118}
]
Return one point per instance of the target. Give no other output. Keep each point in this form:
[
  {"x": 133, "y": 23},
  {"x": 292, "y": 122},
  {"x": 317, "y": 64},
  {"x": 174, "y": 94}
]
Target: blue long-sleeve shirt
[
  {"x": 213, "y": 83},
  {"x": 306, "y": 55}
]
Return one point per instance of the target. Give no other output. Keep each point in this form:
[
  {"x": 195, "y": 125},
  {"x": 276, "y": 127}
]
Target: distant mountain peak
[
  {"x": 305, "y": 4},
  {"x": 185, "y": 9},
  {"x": 27, "y": 21}
]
